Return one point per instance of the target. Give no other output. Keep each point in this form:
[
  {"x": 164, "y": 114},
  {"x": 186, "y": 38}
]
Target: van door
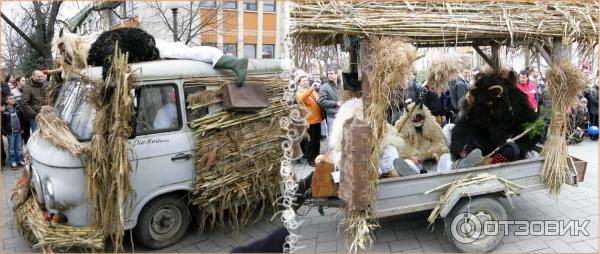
[{"x": 162, "y": 151}]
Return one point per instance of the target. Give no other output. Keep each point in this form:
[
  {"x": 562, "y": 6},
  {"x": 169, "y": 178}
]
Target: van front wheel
[{"x": 163, "y": 222}]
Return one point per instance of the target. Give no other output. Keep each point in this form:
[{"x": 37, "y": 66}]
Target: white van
[{"x": 161, "y": 150}]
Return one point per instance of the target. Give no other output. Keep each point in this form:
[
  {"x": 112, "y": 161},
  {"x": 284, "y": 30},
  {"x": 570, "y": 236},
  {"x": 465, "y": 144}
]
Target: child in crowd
[{"x": 12, "y": 117}]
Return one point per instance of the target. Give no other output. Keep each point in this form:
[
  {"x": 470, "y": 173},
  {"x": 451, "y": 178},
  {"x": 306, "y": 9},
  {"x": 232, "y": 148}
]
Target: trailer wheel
[
  {"x": 162, "y": 222},
  {"x": 464, "y": 224}
]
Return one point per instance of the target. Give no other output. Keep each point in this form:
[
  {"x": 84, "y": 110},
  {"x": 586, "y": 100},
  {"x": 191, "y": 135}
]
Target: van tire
[
  {"x": 163, "y": 222},
  {"x": 469, "y": 212}
]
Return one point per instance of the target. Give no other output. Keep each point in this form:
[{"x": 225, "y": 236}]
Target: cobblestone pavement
[{"x": 404, "y": 233}]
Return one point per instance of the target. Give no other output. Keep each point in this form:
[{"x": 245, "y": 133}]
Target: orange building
[{"x": 242, "y": 28}]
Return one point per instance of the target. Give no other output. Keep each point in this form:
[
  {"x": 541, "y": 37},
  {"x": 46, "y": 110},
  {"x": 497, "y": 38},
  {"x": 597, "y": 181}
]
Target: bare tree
[
  {"x": 42, "y": 17},
  {"x": 14, "y": 46},
  {"x": 192, "y": 19}
]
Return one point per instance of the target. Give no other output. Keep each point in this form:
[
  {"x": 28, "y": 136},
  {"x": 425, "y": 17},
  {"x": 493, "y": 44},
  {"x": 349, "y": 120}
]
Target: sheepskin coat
[{"x": 422, "y": 142}]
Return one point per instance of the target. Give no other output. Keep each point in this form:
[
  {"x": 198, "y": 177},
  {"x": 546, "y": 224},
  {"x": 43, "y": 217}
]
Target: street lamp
[{"x": 174, "y": 6}]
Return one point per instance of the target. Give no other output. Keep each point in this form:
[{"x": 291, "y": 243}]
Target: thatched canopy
[{"x": 446, "y": 23}]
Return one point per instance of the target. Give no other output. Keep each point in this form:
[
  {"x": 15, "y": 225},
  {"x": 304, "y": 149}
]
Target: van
[{"x": 161, "y": 148}]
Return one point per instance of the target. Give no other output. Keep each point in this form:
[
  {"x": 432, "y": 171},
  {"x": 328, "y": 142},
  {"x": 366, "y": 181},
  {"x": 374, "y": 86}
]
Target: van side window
[
  {"x": 158, "y": 109},
  {"x": 194, "y": 90}
]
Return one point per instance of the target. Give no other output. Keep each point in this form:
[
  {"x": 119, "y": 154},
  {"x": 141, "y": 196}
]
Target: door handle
[{"x": 181, "y": 156}]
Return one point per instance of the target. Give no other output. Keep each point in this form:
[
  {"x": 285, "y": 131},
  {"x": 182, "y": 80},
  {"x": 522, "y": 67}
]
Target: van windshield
[{"x": 74, "y": 108}]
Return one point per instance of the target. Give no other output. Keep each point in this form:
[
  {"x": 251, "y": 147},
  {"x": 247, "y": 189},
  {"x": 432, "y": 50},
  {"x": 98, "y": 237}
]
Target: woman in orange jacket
[{"x": 308, "y": 97}]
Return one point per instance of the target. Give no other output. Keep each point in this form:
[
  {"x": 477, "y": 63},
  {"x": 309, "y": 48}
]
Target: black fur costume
[
  {"x": 140, "y": 45},
  {"x": 495, "y": 115}
]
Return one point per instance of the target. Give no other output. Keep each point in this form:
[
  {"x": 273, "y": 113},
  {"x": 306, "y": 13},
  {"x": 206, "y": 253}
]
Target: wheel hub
[{"x": 165, "y": 223}]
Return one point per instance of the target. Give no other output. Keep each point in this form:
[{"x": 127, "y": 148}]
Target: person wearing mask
[
  {"x": 329, "y": 100},
  {"x": 308, "y": 97},
  {"x": 20, "y": 83},
  {"x": 11, "y": 127},
  {"x": 528, "y": 87},
  {"x": 33, "y": 97}
]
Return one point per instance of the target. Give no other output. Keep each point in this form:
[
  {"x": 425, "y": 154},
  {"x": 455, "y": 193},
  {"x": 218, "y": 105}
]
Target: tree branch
[
  {"x": 32, "y": 43},
  {"x": 52, "y": 19}
]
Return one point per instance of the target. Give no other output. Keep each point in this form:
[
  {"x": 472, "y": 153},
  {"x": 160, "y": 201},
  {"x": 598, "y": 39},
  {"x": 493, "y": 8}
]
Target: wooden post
[
  {"x": 559, "y": 52},
  {"x": 495, "y": 57},
  {"x": 366, "y": 86}
]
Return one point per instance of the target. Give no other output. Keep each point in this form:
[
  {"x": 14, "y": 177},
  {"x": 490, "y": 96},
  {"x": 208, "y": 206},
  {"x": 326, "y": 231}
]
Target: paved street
[{"x": 407, "y": 233}]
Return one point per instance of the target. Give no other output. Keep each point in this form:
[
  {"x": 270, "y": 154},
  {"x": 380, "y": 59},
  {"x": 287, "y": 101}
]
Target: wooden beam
[
  {"x": 543, "y": 52},
  {"x": 483, "y": 55}
]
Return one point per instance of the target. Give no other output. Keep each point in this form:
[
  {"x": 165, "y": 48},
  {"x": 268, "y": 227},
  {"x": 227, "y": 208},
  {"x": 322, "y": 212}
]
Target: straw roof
[{"x": 450, "y": 23}]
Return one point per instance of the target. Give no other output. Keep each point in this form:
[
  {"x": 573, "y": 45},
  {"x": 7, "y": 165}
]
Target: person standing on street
[
  {"x": 11, "y": 127},
  {"x": 33, "y": 97},
  {"x": 329, "y": 100},
  {"x": 308, "y": 97}
]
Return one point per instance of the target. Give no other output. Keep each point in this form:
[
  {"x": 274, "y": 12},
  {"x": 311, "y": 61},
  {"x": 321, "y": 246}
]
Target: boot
[
  {"x": 473, "y": 159},
  {"x": 238, "y": 65}
]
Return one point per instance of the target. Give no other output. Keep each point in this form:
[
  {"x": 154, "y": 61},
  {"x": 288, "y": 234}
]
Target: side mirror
[{"x": 136, "y": 92}]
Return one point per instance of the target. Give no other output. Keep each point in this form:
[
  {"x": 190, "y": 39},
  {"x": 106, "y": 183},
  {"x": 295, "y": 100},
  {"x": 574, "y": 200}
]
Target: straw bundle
[
  {"x": 465, "y": 181},
  {"x": 108, "y": 166},
  {"x": 238, "y": 155},
  {"x": 387, "y": 66},
  {"x": 564, "y": 82},
  {"x": 444, "y": 68},
  {"x": 444, "y": 22},
  {"x": 56, "y": 131},
  {"x": 49, "y": 236}
]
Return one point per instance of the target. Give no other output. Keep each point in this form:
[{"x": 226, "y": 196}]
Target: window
[
  {"x": 158, "y": 109},
  {"x": 268, "y": 51},
  {"x": 250, "y": 6},
  {"x": 209, "y": 44},
  {"x": 229, "y": 5},
  {"x": 190, "y": 91},
  {"x": 208, "y": 4},
  {"x": 250, "y": 50},
  {"x": 269, "y": 6},
  {"x": 73, "y": 107},
  {"x": 230, "y": 49}
]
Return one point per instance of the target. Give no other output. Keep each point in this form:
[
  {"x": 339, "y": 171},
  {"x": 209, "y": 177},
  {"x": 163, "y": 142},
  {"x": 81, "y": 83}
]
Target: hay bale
[{"x": 238, "y": 155}]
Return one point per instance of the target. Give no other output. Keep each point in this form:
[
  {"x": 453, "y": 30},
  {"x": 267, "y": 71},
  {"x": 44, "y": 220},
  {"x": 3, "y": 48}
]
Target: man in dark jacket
[
  {"x": 458, "y": 89},
  {"x": 329, "y": 100},
  {"x": 434, "y": 101},
  {"x": 592, "y": 98},
  {"x": 414, "y": 86},
  {"x": 33, "y": 97}
]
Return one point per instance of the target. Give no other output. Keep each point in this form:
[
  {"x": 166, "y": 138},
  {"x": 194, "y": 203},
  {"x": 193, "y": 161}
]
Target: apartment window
[
  {"x": 229, "y": 5},
  {"x": 269, "y": 6},
  {"x": 208, "y": 4},
  {"x": 250, "y": 6},
  {"x": 250, "y": 50},
  {"x": 209, "y": 44},
  {"x": 230, "y": 49},
  {"x": 268, "y": 51}
]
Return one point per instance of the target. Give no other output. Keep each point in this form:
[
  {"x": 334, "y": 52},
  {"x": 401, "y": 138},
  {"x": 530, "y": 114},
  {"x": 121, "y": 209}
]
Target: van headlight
[
  {"x": 49, "y": 194},
  {"x": 37, "y": 185}
]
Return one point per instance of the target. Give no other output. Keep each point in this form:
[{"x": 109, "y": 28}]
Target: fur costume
[
  {"x": 422, "y": 134},
  {"x": 73, "y": 48},
  {"x": 97, "y": 49},
  {"x": 496, "y": 111},
  {"x": 351, "y": 108}
]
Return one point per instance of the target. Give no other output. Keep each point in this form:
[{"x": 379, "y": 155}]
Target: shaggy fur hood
[
  {"x": 354, "y": 108},
  {"x": 76, "y": 47}
]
